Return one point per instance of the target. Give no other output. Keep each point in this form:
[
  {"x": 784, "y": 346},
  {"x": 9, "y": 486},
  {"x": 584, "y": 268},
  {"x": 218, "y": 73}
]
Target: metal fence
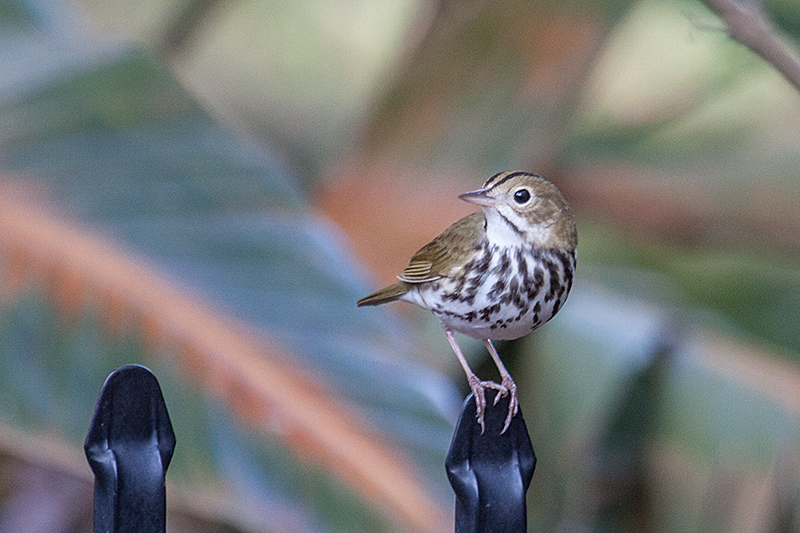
[{"x": 130, "y": 445}]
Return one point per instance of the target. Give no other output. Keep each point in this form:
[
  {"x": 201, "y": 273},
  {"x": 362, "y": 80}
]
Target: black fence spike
[
  {"x": 129, "y": 447},
  {"x": 490, "y": 473}
]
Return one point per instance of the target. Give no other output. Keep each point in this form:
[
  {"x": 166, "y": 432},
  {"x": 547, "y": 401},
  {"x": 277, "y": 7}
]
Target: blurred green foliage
[
  {"x": 758, "y": 291},
  {"x": 197, "y": 134}
]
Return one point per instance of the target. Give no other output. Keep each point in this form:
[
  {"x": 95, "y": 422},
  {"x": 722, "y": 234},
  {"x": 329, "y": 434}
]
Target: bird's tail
[{"x": 385, "y": 295}]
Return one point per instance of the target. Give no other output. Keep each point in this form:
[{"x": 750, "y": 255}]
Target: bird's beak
[{"x": 479, "y": 197}]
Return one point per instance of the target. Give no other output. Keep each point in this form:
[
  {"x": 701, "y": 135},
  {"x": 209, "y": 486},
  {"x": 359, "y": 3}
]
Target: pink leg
[
  {"x": 475, "y": 384},
  {"x": 508, "y": 384}
]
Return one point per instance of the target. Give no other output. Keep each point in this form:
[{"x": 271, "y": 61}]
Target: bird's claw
[
  {"x": 513, "y": 401},
  {"x": 478, "y": 388},
  {"x": 480, "y": 399},
  {"x": 502, "y": 391}
]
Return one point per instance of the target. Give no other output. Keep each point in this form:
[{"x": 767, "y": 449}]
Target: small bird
[{"x": 495, "y": 275}]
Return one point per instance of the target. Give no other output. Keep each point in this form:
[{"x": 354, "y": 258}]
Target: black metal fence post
[
  {"x": 490, "y": 473},
  {"x": 129, "y": 447}
]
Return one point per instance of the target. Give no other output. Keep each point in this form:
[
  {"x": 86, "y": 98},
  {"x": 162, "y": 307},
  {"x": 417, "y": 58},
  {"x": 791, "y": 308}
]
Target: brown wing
[
  {"x": 449, "y": 250},
  {"x": 387, "y": 294}
]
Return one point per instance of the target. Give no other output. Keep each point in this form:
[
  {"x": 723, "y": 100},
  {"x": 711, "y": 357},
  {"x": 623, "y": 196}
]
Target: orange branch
[{"x": 256, "y": 380}]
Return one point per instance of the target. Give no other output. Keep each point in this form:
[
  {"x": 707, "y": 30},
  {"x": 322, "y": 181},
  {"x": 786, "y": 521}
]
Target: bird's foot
[
  {"x": 478, "y": 387},
  {"x": 513, "y": 401}
]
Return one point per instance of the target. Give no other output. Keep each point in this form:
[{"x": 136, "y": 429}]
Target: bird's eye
[{"x": 522, "y": 196}]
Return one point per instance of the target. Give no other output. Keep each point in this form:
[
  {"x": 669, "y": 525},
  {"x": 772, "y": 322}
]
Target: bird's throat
[{"x": 502, "y": 230}]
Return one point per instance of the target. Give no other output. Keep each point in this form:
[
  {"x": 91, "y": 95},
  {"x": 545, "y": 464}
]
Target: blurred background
[{"x": 206, "y": 187}]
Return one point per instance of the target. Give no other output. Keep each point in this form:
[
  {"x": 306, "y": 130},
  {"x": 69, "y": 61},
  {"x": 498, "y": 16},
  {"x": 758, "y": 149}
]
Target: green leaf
[
  {"x": 17, "y": 14},
  {"x": 122, "y": 149},
  {"x": 641, "y": 413}
]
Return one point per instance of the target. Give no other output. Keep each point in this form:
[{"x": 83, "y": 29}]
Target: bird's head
[{"x": 524, "y": 207}]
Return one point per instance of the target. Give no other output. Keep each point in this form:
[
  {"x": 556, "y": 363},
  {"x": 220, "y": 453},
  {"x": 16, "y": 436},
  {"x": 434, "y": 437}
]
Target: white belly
[{"x": 507, "y": 300}]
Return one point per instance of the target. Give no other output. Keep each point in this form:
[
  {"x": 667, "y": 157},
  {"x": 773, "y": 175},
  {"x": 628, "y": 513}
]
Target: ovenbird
[{"x": 497, "y": 274}]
